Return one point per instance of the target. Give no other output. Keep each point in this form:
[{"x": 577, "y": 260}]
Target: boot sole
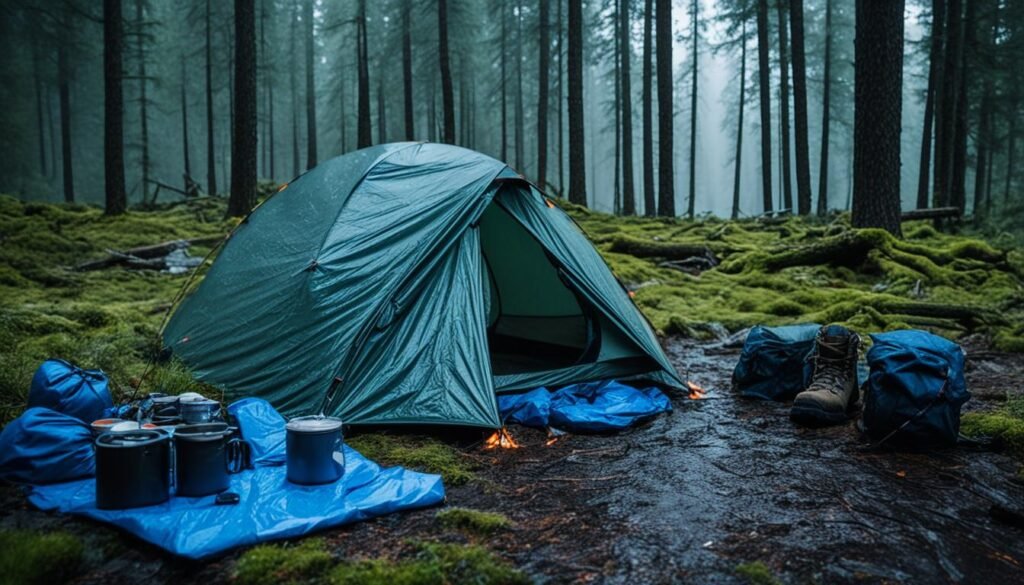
[{"x": 815, "y": 416}]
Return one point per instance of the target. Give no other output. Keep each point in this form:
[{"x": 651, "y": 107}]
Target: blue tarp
[
  {"x": 270, "y": 508},
  {"x": 592, "y": 407}
]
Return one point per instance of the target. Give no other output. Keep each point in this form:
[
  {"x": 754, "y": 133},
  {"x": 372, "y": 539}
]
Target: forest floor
[{"x": 723, "y": 490}]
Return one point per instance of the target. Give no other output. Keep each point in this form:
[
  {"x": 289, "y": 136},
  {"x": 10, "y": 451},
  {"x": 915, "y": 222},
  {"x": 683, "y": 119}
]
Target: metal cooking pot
[
  {"x": 314, "y": 449},
  {"x": 201, "y": 459},
  {"x": 132, "y": 469},
  {"x": 198, "y": 410}
]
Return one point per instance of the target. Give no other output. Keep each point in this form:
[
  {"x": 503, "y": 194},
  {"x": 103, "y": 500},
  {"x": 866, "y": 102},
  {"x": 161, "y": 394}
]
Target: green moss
[
  {"x": 416, "y": 452},
  {"x": 1006, "y": 424},
  {"x": 473, "y": 521},
  {"x": 757, "y": 573},
  {"x": 28, "y": 557},
  {"x": 470, "y": 564},
  {"x": 377, "y": 572},
  {"x": 271, "y": 564}
]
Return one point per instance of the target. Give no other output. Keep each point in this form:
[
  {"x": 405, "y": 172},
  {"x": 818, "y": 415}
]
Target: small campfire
[
  {"x": 501, "y": 438},
  {"x": 696, "y": 391}
]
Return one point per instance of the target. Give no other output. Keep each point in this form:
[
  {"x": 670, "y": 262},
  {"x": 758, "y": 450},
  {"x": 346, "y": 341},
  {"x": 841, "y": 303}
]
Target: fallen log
[
  {"x": 933, "y": 213},
  {"x": 152, "y": 256},
  {"x": 666, "y": 250}
]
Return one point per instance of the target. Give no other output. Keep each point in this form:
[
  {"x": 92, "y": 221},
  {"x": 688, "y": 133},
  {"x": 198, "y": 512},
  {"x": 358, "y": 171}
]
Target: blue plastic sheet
[
  {"x": 916, "y": 378},
  {"x": 593, "y": 407},
  {"x": 773, "y": 365},
  {"x": 64, "y": 387},
  {"x": 270, "y": 508},
  {"x": 44, "y": 446},
  {"x": 263, "y": 428}
]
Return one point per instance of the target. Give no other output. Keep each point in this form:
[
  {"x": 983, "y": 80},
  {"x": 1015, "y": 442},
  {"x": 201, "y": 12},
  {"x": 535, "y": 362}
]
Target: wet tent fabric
[{"x": 368, "y": 268}]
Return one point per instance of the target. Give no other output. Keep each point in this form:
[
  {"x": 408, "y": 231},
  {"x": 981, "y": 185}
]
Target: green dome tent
[{"x": 426, "y": 278}]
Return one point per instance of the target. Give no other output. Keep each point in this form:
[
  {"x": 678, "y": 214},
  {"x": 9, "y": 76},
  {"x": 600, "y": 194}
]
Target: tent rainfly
[{"x": 426, "y": 278}]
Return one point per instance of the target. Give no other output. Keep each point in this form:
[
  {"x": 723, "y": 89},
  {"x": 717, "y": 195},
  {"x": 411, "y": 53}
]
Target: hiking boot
[{"x": 833, "y": 390}]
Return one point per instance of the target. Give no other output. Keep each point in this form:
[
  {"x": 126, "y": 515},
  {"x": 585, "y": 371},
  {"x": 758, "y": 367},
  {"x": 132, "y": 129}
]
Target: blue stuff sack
[
  {"x": 915, "y": 390},
  {"x": 773, "y": 364},
  {"x": 68, "y": 389},
  {"x": 44, "y": 446}
]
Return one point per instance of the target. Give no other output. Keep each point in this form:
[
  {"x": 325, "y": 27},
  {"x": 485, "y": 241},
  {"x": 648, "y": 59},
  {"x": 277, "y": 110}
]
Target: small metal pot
[
  {"x": 132, "y": 469},
  {"x": 314, "y": 449},
  {"x": 198, "y": 410},
  {"x": 104, "y": 424},
  {"x": 201, "y": 459}
]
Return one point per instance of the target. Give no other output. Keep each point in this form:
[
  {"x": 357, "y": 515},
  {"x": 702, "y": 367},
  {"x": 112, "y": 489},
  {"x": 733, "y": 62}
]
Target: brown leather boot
[{"x": 833, "y": 390}]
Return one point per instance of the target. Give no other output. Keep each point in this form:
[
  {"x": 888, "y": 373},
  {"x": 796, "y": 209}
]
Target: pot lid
[
  {"x": 130, "y": 439},
  {"x": 314, "y": 424},
  {"x": 202, "y": 432}
]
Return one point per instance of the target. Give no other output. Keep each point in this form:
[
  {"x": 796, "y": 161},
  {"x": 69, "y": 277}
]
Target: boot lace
[{"x": 829, "y": 373}]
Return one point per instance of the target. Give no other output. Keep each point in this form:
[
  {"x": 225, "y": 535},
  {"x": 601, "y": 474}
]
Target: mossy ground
[
  {"x": 426, "y": 563},
  {"x": 757, "y": 573},
  {"x": 416, "y": 452},
  {"x": 29, "y": 557},
  {"x": 473, "y": 522},
  {"x": 1005, "y": 424}
]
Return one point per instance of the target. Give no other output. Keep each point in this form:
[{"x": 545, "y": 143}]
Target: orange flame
[
  {"x": 501, "y": 438},
  {"x": 696, "y": 391},
  {"x": 550, "y": 441}
]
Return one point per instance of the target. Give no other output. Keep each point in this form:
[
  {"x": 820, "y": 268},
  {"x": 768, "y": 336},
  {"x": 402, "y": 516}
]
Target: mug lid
[{"x": 314, "y": 424}]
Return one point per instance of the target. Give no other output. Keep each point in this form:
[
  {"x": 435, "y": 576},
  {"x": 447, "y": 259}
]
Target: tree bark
[
  {"x": 878, "y": 105},
  {"x": 504, "y": 82},
  {"x": 184, "y": 127},
  {"x": 293, "y": 83},
  {"x": 211, "y": 159},
  {"x": 307, "y": 23},
  {"x": 382, "y": 112},
  {"x": 628, "y": 192},
  {"x": 784, "y": 134},
  {"x": 542, "y": 95},
  {"x": 113, "y": 108},
  {"x": 666, "y": 183},
  {"x": 37, "y": 84},
  {"x": 410, "y": 123},
  {"x": 958, "y": 190},
  {"x": 617, "y": 107},
  {"x": 934, "y": 73},
  {"x": 985, "y": 138},
  {"x": 764, "y": 91},
  {"x": 577, "y": 140},
  {"x": 826, "y": 114},
  {"x": 271, "y": 143},
  {"x": 447, "y": 96},
  {"x": 243, "y": 134},
  {"x": 650, "y": 207},
  {"x": 694, "y": 20},
  {"x": 803, "y": 155},
  {"x": 143, "y": 105},
  {"x": 737, "y": 165},
  {"x": 1011, "y": 144},
  {"x": 561, "y": 103},
  {"x": 945, "y": 131},
  {"x": 364, "y": 135},
  {"x": 519, "y": 88}
]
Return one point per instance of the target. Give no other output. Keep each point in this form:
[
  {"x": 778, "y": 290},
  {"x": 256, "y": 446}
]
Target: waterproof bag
[
  {"x": 915, "y": 390},
  {"x": 773, "y": 364},
  {"x": 45, "y": 446},
  {"x": 66, "y": 388}
]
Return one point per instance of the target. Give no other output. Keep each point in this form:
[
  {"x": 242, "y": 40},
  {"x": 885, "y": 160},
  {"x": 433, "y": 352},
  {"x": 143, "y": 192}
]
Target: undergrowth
[
  {"x": 757, "y": 573},
  {"x": 1005, "y": 424},
  {"x": 29, "y": 557},
  {"x": 416, "y": 452},
  {"x": 473, "y": 522}
]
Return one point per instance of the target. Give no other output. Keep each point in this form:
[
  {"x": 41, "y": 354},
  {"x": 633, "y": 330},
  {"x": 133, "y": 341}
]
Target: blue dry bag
[
  {"x": 68, "y": 389},
  {"x": 773, "y": 365},
  {"x": 44, "y": 446},
  {"x": 915, "y": 390}
]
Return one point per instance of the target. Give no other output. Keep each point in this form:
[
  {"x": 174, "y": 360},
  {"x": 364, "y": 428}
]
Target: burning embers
[
  {"x": 501, "y": 438},
  {"x": 696, "y": 391}
]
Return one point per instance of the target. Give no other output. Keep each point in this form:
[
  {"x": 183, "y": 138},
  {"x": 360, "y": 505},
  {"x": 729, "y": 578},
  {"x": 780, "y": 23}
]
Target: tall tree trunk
[
  {"x": 50, "y": 132},
  {"x": 382, "y": 112},
  {"x": 826, "y": 114},
  {"x": 294, "y": 84},
  {"x": 113, "y": 108},
  {"x": 410, "y": 123},
  {"x": 542, "y": 94},
  {"x": 64, "y": 91},
  {"x": 37, "y": 84},
  {"x": 650, "y": 207},
  {"x": 934, "y": 73},
  {"x": 1011, "y": 144},
  {"x": 519, "y": 88},
  {"x": 364, "y": 135},
  {"x": 561, "y": 102},
  {"x": 982, "y": 174},
  {"x": 666, "y": 183},
  {"x": 878, "y": 104},
  {"x": 694, "y": 20},
  {"x": 447, "y": 95},
  {"x": 432, "y": 112},
  {"x": 184, "y": 127},
  {"x": 140, "y": 55},
  {"x": 785, "y": 157},
  {"x": 737, "y": 166},
  {"x": 211, "y": 159},
  {"x": 504, "y": 83},
  {"x": 945, "y": 130},
  {"x": 958, "y": 190},
  {"x": 307, "y": 22},
  {"x": 803, "y": 155},
  {"x": 764, "y": 91},
  {"x": 577, "y": 140},
  {"x": 617, "y": 107},
  {"x": 261, "y": 62},
  {"x": 243, "y": 133},
  {"x": 270, "y": 115},
  {"x": 628, "y": 191}
]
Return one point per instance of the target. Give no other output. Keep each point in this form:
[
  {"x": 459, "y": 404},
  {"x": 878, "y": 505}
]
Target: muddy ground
[{"x": 690, "y": 496}]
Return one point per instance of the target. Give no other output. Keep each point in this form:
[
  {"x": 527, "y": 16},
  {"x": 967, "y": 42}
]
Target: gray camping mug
[{"x": 314, "y": 450}]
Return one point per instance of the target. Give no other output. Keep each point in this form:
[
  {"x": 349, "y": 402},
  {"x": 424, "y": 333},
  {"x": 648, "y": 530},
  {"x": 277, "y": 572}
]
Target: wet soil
[{"x": 686, "y": 498}]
